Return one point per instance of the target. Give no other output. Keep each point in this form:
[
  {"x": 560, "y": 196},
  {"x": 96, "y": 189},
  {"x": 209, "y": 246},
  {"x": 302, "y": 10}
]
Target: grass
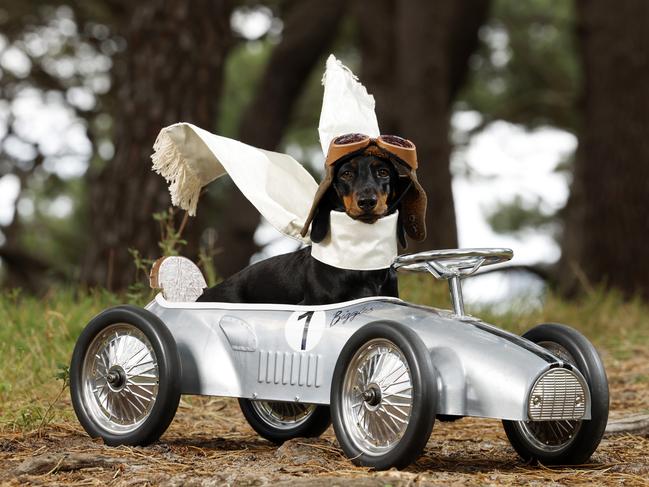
[{"x": 37, "y": 336}]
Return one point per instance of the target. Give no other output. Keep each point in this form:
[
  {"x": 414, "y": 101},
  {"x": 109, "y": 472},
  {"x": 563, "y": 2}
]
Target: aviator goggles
[{"x": 349, "y": 143}]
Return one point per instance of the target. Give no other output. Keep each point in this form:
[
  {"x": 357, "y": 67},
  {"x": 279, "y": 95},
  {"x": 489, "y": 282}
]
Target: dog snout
[{"x": 367, "y": 203}]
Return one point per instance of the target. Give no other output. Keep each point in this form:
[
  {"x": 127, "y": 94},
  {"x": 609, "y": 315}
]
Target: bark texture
[
  {"x": 377, "y": 42},
  {"x": 309, "y": 29},
  {"x": 171, "y": 70},
  {"x": 607, "y": 221},
  {"x": 415, "y": 60}
]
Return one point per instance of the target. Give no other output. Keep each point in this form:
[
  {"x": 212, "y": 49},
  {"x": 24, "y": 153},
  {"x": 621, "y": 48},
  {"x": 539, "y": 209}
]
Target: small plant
[
  {"x": 206, "y": 264},
  {"x": 139, "y": 289},
  {"x": 13, "y": 294},
  {"x": 171, "y": 242},
  {"x": 170, "y": 239},
  {"x": 63, "y": 374},
  {"x": 29, "y": 417}
]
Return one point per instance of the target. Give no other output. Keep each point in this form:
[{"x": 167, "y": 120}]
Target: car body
[{"x": 267, "y": 352}]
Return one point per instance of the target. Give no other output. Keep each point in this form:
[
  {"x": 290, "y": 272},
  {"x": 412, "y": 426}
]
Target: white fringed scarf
[{"x": 189, "y": 158}]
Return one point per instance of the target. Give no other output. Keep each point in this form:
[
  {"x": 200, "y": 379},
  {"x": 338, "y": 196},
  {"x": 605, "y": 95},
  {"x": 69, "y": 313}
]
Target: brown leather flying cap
[{"x": 402, "y": 153}]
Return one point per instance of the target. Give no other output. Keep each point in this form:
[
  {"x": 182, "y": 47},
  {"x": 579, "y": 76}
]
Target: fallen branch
[
  {"x": 51, "y": 463},
  {"x": 637, "y": 425}
]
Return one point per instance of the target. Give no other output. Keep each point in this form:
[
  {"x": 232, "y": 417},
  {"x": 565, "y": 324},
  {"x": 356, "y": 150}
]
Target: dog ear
[
  {"x": 401, "y": 187},
  {"x": 401, "y": 232},
  {"x": 320, "y": 224}
]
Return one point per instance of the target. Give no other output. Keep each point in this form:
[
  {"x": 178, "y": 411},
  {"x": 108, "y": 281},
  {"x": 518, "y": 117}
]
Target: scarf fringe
[{"x": 184, "y": 185}]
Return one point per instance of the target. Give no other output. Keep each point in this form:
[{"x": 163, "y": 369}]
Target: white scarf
[
  {"x": 352, "y": 244},
  {"x": 189, "y": 158}
]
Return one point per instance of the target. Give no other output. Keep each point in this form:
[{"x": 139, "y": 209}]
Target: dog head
[
  {"x": 370, "y": 178},
  {"x": 366, "y": 187}
]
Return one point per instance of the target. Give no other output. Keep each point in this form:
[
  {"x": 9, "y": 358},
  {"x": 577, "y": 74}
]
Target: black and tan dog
[{"x": 367, "y": 179}]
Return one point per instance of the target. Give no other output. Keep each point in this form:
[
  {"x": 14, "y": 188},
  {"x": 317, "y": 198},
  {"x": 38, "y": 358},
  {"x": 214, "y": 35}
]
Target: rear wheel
[
  {"x": 124, "y": 377},
  {"x": 565, "y": 442},
  {"x": 383, "y": 396},
  {"x": 279, "y": 421}
]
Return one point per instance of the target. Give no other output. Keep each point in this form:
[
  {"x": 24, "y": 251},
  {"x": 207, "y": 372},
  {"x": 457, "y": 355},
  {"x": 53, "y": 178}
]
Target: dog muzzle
[{"x": 354, "y": 245}]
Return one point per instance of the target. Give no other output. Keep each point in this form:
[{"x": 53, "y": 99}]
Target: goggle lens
[
  {"x": 349, "y": 139},
  {"x": 398, "y": 141}
]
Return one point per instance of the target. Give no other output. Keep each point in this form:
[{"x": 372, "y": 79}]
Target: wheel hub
[
  {"x": 372, "y": 395},
  {"x": 116, "y": 378}
]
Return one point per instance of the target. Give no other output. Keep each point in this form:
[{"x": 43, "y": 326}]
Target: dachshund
[{"x": 366, "y": 187}]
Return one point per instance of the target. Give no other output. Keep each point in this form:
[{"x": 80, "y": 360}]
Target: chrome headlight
[{"x": 558, "y": 394}]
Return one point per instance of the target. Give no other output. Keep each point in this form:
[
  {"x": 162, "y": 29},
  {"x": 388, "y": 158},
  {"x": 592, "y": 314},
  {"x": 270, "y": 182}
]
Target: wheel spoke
[
  {"x": 132, "y": 357},
  {"x": 138, "y": 395},
  {"x": 397, "y": 366},
  {"x": 403, "y": 420},
  {"x": 400, "y": 395},
  {"x": 384, "y": 419}
]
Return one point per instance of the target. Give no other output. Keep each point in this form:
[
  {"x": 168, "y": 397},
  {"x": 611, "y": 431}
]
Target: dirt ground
[{"x": 209, "y": 443}]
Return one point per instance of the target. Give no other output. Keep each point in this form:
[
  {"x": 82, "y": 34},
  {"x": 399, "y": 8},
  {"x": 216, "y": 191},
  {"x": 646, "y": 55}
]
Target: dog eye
[
  {"x": 383, "y": 173},
  {"x": 346, "y": 175}
]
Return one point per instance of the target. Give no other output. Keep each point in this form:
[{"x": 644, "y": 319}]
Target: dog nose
[{"x": 367, "y": 203}]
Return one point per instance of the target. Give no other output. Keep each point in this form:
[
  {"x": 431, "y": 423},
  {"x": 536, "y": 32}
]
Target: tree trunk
[
  {"x": 377, "y": 42},
  {"x": 309, "y": 29},
  {"x": 607, "y": 221},
  {"x": 415, "y": 59},
  {"x": 171, "y": 70}
]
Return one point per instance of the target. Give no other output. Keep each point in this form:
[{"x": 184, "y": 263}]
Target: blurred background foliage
[{"x": 86, "y": 84}]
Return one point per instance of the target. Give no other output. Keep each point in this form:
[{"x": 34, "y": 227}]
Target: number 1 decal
[
  {"x": 308, "y": 316},
  {"x": 304, "y": 329}
]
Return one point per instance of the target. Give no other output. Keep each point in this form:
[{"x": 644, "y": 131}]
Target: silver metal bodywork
[{"x": 288, "y": 353}]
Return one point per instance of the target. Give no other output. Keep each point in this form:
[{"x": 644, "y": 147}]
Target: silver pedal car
[{"x": 380, "y": 369}]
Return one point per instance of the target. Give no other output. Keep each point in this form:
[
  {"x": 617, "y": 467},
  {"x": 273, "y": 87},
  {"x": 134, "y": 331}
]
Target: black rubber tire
[
  {"x": 164, "y": 346},
  {"x": 591, "y": 431},
  {"x": 425, "y": 394},
  {"x": 313, "y": 427}
]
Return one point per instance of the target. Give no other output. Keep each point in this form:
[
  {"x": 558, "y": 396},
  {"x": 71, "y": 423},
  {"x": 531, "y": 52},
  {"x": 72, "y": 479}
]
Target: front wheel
[
  {"x": 282, "y": 421},
  {"x": 383, "y": 396},
  {"x": 125, "y": 377},
  {"x": 565, "y": 442}
]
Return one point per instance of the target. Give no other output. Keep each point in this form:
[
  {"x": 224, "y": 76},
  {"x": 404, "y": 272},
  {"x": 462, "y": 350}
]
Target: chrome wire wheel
[
  {"x": 120, "y": 378},
  {"x": 551, "y": 436},
  {"x": 283, "y": 415},
  {"x": 377, "y": 397}
]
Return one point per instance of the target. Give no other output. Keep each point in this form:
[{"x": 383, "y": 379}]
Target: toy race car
[{"x": 380, "y": 369}]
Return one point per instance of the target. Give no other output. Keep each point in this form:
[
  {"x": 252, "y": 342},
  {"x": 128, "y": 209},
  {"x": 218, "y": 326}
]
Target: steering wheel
[
  {"x": 445, "y": 264},
  {"x": 452, "y": 264}
]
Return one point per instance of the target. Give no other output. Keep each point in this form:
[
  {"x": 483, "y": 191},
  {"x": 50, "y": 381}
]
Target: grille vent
[
  {"x": 296, "y": 369},
  {"x": 558, "y": 394}
]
